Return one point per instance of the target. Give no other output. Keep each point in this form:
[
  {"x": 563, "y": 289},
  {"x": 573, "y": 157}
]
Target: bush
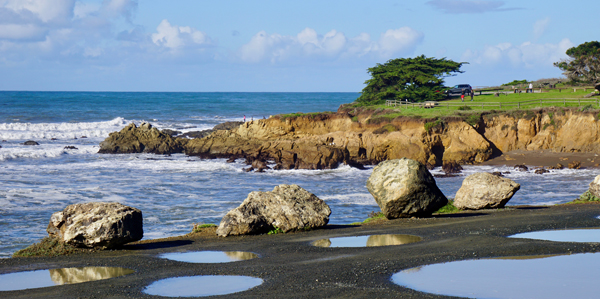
[{"x": 463, "y": 108}]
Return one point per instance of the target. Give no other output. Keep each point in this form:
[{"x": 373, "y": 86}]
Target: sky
[{"x": 278, "y": 46}]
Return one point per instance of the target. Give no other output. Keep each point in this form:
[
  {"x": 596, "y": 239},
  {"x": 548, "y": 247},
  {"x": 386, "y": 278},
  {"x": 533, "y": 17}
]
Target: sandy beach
[{"x": 291, "y": 267}]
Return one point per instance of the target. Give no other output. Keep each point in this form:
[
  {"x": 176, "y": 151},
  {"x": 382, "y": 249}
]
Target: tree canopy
[
  {"x": 416, "y": 79},
  {"x": 583, "y": 64}
]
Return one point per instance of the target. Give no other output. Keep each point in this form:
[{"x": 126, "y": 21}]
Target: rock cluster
[
  {"x": 145, "y": 139},
  {"x": 97, "y": 225},
  {"x": 405, "y": 188},
  {"x": 484, "y": 191},
  {"x": 287, "y": 207}
]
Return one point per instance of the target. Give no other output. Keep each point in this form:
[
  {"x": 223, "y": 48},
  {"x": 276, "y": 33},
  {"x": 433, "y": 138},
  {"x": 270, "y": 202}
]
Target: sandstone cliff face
[
  {"x": 327, "y": 140},
  {"x": 567, "y": 131}
]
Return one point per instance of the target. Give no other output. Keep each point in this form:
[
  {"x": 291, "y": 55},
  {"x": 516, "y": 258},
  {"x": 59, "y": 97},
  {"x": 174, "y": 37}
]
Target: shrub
[
  {"x": 464, "y": 108},
  {"x": 587, "y": 196},
  {"x": 276, "y": 230}
]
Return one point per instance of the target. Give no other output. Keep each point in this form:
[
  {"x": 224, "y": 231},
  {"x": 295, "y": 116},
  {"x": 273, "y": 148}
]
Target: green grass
[
  {"x": 372, "y": 216},
  {"x": 492, "y": 102},
  {"x": 300, "y": 114},
  {"x": 198, "y": 227},
  {"x": 449, "y": 208}
]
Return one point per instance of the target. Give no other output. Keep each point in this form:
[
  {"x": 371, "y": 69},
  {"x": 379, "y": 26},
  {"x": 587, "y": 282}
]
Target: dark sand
[
  {"x": 545, "y": 158},
  {"x": 291, "y": 267}
]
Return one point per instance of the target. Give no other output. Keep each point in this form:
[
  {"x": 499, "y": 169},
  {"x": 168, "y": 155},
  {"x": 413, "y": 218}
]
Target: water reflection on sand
[
  {"x": 209, "y": 256},
  {"x": 367, "y": 241},
  {"x": 53, "y": 277}
]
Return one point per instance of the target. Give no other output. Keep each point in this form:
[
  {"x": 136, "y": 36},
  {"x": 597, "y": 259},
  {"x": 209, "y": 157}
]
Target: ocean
[{"x": 176, "y": 191}]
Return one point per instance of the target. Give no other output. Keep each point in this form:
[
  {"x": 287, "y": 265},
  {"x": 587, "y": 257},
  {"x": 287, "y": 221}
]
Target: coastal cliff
[{"x": 362, "y": 137}]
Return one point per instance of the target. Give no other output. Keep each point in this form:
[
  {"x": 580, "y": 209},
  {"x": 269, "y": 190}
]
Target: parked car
[{"x": 458, "y": 89}]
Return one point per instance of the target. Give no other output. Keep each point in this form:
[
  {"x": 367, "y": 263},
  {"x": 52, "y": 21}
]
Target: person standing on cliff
[
  {"x": 472, "y": 94},
  {"x": 462, "y": 95},
  {"x": 244, "y": 117}
]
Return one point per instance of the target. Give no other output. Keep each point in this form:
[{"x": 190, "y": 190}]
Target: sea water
[{"x": 176, "y": 191}]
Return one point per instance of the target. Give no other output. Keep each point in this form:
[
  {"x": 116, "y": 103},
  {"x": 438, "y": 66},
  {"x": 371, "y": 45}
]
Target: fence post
[
  {"x": 500, "y": 105},
  {"x": 519, "y": 105},
  {"x": 541, "y": 105}
]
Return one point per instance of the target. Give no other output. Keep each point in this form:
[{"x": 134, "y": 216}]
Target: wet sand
[
  {"x": 545, "y": 158},
  {"x": 291, "y": 267}
]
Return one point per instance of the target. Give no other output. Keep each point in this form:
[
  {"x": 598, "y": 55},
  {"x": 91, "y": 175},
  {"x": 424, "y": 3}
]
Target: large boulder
[
  {"x": 143, "y": 139},
  {"x": 287, "y": 207},
  {"x": 97, "y": 225},
  {"x": 485, "y": 191},
  {"x": 405, "y": 188}
]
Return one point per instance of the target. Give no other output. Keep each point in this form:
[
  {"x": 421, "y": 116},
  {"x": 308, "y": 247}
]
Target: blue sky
[{"x": 326, "y": 45}]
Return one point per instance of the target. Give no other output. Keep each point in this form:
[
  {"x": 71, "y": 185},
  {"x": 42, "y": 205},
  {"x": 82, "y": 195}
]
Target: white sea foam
[
  {"x": 351, "y": 199},
  {"x": 15, "y": 151},
  {"x": 61, "y": 131}
]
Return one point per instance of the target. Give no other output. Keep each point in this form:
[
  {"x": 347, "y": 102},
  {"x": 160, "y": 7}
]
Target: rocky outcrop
[
  {"x": 405, "y": 188},
  {"x": 328, "y": 140},
  {"x": 484, "y": 191},
  {"x": 287, "y": 207},
  {"x": 145, "y": 139},
  {"x": 30, "y": 142},
  {"x": 358, "y": 138},
  {"x": 97, "y": 225}
]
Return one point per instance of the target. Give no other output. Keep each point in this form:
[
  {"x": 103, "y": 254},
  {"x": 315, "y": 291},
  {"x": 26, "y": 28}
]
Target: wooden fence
[{"x": 500, "y": 105}]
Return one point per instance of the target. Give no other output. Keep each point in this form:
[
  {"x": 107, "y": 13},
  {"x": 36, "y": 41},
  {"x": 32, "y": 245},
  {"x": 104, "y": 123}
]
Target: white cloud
[
  {"x": 468, "y": 6},
  {"x": 525, "y": 55},
  {"x": 400, "y": 40},
  {"x": 22, "y": 32},
  {"x": 118, "y": 8},
  {"x": 48, "y": 11},
  {"x": 540, "y": 27},
  {"x": 333, "y": 45},
  {"x": 175, "y": 37}
]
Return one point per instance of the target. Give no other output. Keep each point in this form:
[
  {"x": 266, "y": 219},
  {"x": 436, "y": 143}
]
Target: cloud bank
[
  {"x": 333, "y": 45},
  {"x": 525, "y": 55}
]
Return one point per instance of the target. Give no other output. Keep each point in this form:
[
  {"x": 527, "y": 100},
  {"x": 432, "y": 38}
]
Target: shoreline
[{"x": 288, "y": 264}]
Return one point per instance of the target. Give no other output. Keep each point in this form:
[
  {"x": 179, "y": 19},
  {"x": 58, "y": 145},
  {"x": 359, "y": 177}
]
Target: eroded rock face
[
  {"x": 485, "y": 191},
  {"x": 595, "y": 187},
  {"x": 97, "y": 225},
  {"x": 145, "y": 139},
  {"x": 405, "y": 188},
  {"x": 288, "y": 207}
]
